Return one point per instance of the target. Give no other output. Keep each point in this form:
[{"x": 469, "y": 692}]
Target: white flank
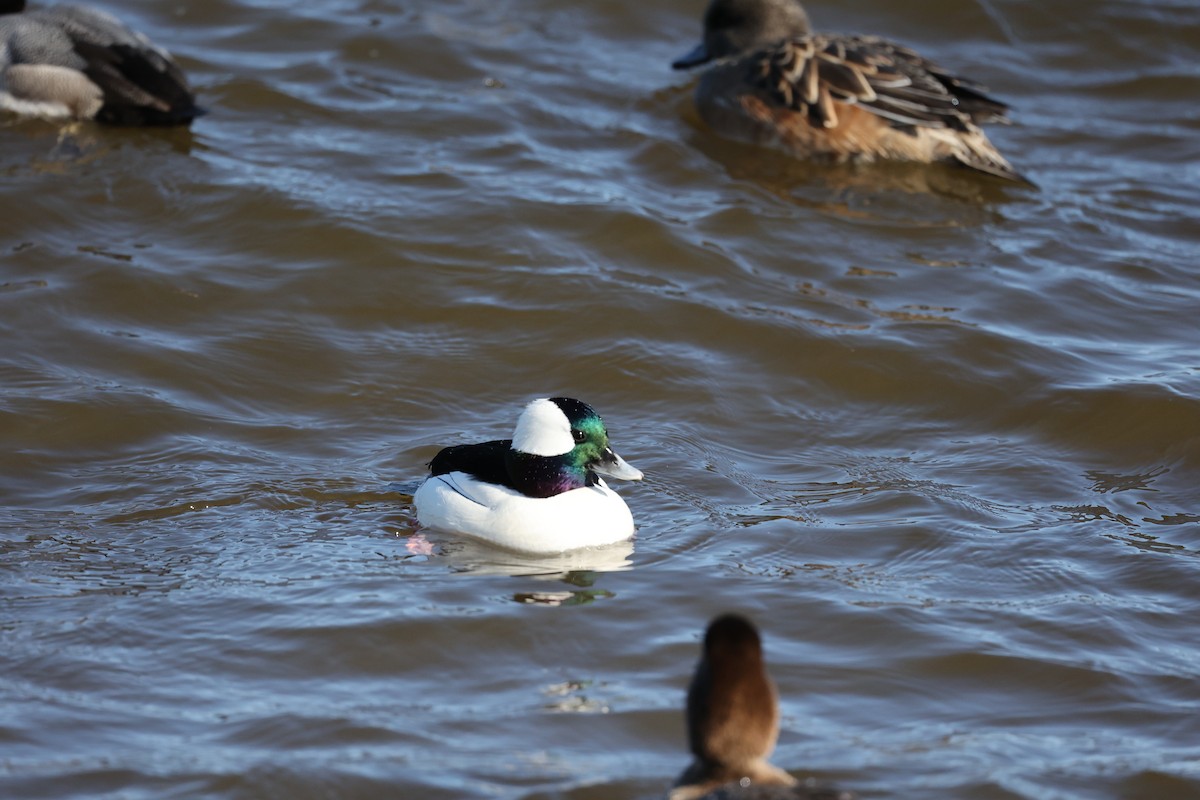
[
  {"x": 46, "y": 109},
  {"x": 592, "y": 516},
  {"x": 543, "y": 430}
]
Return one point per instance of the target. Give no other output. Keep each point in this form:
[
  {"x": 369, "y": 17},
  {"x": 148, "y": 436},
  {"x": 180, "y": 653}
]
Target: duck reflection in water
[{"x": 733, "y": 722}]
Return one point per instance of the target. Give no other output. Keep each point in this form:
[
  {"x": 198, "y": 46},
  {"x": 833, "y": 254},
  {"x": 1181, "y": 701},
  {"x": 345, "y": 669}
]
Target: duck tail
[
  {"x": 141, "y": 86},
  {"x": 976, "y": 152}
]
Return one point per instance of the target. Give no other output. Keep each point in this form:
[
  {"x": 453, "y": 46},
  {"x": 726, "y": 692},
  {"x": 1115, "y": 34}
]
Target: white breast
[{"x": 587, "y": 517}]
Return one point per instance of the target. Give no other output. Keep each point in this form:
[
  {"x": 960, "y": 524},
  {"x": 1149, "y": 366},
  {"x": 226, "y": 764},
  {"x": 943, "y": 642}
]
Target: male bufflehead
[{"x": 539, "y": 492}]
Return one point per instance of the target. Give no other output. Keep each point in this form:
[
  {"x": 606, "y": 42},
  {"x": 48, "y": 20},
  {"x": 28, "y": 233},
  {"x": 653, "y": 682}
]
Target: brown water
[{"x": 939, "y": 436}]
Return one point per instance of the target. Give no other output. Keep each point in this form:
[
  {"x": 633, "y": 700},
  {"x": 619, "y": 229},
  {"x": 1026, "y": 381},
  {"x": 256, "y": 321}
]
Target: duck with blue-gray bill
[
  {"x": 538, "y": 492},
  {"x": 79, "y": 63}
]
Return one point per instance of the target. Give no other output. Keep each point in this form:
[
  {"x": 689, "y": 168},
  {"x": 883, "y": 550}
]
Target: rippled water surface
[{"x": 939, "y": 436}]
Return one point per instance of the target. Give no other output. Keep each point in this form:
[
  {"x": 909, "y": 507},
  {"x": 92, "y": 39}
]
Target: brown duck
[
  {"x": 733, "y": 722},
  {"x": 836, "y": 98}
]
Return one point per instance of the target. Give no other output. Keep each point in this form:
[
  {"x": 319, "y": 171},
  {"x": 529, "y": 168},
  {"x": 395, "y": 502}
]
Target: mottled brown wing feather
[{"x": 810, "y": 74}]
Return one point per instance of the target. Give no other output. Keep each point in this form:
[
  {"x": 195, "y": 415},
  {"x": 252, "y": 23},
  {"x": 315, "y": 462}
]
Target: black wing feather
[
  {"x": 140, "y": 86},
  {"x": 484, "y": 461}
]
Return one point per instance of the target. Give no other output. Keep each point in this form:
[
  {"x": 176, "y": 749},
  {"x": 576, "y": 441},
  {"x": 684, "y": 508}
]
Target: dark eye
[{"x": 578, "y": 436}]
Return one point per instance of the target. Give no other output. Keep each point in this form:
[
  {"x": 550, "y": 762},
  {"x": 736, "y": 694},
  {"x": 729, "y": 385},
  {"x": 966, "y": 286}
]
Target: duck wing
[
  {"x": 484, "y": 461},
  {"x": 142, "y": 84},
  {"x": 809, "y": 74}
]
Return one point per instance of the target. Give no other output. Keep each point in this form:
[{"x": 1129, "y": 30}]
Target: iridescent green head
[{"x": 561, "y": 444}]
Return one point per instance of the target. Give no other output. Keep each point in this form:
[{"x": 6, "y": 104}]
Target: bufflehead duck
[
  {"x": 76, "y": 62},
  {"x": 539, "y": 492},
  {"x": 733, "y": 721},
  {"x": 836, "y": 98}
]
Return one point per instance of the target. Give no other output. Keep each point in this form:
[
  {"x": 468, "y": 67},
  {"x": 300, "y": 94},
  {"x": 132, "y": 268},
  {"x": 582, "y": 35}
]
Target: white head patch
[{"x": 543, "y": 430}]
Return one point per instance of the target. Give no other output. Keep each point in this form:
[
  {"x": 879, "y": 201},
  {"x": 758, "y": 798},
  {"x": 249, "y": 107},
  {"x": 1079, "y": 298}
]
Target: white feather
[
  {"x": 586, "y": 517},
  {"x": 543, "y": 430}
]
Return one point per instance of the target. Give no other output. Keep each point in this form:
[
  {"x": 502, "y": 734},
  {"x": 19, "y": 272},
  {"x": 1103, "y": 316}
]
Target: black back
[{"x": 484, "y": 461}]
